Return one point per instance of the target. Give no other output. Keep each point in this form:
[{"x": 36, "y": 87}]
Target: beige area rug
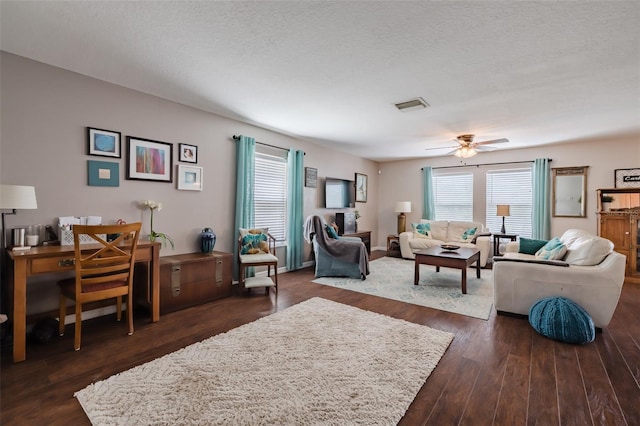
[
  {"x": 317, "y": 362},
  {"x": 392, "y": 278}
]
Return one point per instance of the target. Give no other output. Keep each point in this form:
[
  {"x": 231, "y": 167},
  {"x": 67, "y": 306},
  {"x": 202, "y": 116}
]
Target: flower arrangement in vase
[{"x": 153, "y": 206}]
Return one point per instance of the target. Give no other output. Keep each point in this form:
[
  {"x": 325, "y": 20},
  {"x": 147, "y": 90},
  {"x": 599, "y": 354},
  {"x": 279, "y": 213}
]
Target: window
[
  {"x": 453, "y": 196},
  {"x": 512, "y": 187},
  {"x": 271, "y": 194}
]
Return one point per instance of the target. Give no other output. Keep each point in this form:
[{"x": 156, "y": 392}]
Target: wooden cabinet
[
  {"x": 194, "y": 278},
  {"x": 365, "y": 236},
  {"x": 619, "y": 222}
]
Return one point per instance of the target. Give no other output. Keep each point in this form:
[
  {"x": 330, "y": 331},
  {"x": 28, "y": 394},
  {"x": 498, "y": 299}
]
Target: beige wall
[
  {"x": 402, "y": 180},
  {"x": 45, "y": 110}
]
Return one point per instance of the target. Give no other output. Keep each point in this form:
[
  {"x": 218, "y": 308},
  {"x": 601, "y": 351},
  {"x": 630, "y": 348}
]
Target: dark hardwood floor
[{"x": 498, "y": 371}]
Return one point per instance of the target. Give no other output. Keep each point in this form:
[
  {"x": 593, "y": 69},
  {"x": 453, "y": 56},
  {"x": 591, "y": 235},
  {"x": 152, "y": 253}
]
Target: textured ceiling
[{"x": 329, "y": 72}]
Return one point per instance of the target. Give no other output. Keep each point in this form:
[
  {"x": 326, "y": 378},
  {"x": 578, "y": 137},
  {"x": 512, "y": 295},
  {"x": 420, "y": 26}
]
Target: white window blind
[
  {"x": 271, "y": 194},
  {"x": 514, "y": 188},
  {"x": 453, "y": 196}
]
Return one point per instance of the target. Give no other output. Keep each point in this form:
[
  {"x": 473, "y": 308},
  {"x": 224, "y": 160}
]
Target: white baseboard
[{"x": 94, "y": 313}]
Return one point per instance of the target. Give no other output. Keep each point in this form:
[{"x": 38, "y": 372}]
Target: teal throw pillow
[
  {"x": 531, "y": 246},
  {"x": 553, "y": 250},
  {"x": 254, "y": 244},
  {"x": 422, "y": 229},
  {"x": 332, "y": 232},
  {"x": 469, "y": 234}
]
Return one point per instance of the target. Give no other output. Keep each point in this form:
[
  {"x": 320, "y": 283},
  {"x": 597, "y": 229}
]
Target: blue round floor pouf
[{"x": 562, "y": 319}]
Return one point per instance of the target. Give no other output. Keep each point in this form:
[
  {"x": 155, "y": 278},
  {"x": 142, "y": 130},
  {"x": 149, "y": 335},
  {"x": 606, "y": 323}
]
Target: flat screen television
[{"x": 339, "y": 193}]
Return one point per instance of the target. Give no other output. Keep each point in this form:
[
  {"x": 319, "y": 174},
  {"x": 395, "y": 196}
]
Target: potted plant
[{"x": 606, "y": 201}]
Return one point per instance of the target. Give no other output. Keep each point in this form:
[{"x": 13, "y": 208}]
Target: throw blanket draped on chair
[{"x": 349, "y": 250}]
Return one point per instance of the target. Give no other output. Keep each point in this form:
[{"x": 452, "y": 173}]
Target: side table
[
  {"x": 496, "y": 241},
  {"x": 365, "y": 236},
  {"x": 393, "y": 246}
]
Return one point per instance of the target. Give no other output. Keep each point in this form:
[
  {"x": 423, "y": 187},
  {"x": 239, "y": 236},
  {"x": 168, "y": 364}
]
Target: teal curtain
[
  {"x": 245, "y": 181},
  {"x": 428, "y": 203},
  {"x": 541, "y": 229},
  {"x": 295, "y": 171}
]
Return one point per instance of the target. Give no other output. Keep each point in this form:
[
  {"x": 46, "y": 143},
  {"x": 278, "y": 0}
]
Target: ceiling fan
[{"x": 468, "y": 148}]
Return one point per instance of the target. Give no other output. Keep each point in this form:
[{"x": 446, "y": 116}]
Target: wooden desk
[{"x": 48, "y": 260}]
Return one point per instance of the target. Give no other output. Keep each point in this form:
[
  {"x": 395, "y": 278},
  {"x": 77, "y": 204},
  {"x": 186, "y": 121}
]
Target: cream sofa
[
  {"x": 590, "y": 274},
  {"x": 447, "y": 232}
]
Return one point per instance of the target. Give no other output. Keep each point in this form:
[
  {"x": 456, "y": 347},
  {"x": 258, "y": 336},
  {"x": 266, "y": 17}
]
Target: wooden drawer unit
[
  {"x": 194, "y": 278},
  {"x": 52, "y": 264}
]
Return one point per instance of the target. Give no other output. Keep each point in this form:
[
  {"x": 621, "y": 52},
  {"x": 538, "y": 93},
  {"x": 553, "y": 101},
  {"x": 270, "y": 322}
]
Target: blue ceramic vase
[{"x": 207, "y": 240}]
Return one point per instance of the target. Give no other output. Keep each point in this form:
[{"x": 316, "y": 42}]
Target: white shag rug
[
  {"x": 317, "y": 362},
  {"x": 392, "y": 278}
]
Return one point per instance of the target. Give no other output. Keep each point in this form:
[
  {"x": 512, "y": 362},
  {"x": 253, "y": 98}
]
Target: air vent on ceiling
[{"x": 412, "y": 104}]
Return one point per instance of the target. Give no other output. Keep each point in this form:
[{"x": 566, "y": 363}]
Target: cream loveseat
[
  {"x": 447, "y": 232},
  {"x": 590, "y": 273}
]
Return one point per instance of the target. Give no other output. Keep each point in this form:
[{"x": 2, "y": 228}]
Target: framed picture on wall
[
  {"x": 627, "y": 178},
  {"x": 188, "y": 153},
  {"x": 103, "y": 143},
  {"x": 149, "y": 160},
  {"x": 310, "y": 177},
  {"x": 103, "y": 173},
  {"x": 189, "y": 178},
  {"x": 361, "y": 188}
]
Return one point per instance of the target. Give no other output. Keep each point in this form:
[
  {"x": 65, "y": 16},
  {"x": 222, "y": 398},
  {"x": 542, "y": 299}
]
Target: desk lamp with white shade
[{"x": 14, "y": 197}]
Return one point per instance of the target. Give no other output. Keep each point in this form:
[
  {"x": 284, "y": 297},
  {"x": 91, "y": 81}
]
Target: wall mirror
[{"x": 569, "y": 191}]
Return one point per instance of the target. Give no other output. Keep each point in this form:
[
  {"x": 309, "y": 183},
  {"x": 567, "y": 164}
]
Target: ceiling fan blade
[
  {"x": 484, "y": 148},
  {"x": 502, "y": 140},
  {"x": 440, "y": 147}
]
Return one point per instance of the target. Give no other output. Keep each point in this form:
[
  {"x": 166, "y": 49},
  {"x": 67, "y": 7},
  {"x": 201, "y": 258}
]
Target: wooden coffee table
[{"x": 459, "y": 259}]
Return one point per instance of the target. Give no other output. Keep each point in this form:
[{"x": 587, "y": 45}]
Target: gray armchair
[{"x": 342, "y": 257}]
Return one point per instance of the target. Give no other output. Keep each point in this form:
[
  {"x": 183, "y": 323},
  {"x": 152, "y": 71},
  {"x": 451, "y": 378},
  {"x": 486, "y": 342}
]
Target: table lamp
[
  {"x": 16, "y": 197},
  {"x": 502, "y": 210},
  {"x": 402, "y": 207}
]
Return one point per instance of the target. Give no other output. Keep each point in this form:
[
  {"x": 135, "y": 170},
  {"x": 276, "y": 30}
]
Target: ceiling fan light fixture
[{"x": 465, "y": 152}]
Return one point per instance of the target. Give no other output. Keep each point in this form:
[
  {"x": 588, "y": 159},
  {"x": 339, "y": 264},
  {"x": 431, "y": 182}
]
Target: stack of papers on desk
[{"x": 67, "y": 222}]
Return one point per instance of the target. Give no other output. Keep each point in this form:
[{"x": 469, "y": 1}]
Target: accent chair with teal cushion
[
  {"x": 562, "y": 319},
  {"x": 256, "y": 248}
]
